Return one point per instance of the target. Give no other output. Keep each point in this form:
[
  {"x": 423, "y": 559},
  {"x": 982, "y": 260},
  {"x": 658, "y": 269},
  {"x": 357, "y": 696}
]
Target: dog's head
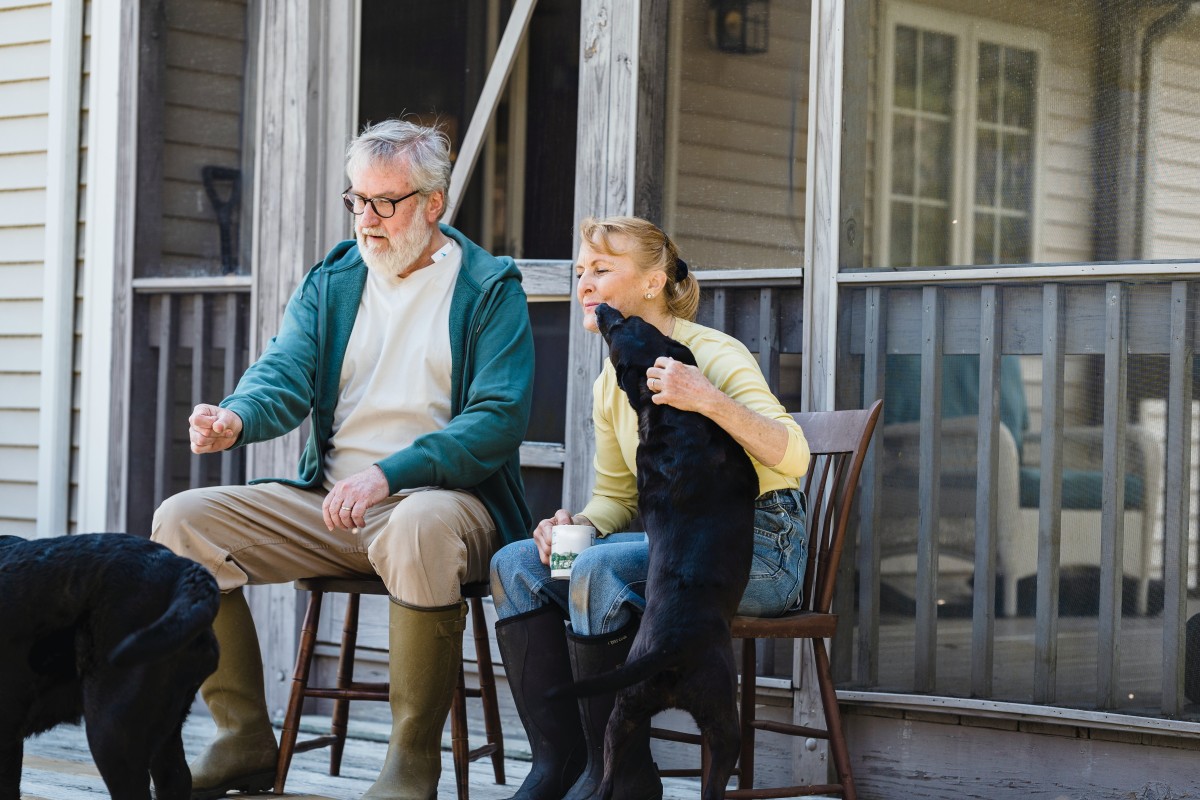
[{"x": 634, "y": 345}]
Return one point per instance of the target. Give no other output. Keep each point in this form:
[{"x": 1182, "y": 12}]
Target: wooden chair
[
  {"x": 348, "y": 689},
  {"x": 838, "y": 441}
]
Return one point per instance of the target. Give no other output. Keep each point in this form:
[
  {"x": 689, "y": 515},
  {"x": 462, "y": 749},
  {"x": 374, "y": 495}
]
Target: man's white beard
[{"x": 401, "y": 252}]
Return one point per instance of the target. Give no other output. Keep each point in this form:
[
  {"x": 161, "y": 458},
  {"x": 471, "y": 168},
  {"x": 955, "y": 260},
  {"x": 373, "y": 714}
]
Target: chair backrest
[{"x": 838, "y": 441}]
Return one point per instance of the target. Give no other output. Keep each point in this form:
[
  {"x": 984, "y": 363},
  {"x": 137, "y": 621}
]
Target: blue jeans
[{"x": 608, "y": 580}]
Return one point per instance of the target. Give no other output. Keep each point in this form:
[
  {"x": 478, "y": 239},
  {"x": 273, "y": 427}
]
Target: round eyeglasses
[{"x": 384, "y": 207}]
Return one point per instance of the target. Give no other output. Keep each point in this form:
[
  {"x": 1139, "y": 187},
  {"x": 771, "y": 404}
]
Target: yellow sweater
[{"x": 731, "y": 368}]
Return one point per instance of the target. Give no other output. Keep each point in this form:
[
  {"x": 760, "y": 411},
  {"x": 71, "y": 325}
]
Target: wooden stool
[{"x": 348, "y": 689}]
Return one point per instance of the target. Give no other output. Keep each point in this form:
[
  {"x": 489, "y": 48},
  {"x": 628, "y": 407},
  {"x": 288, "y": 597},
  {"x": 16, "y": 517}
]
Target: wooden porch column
[
  {"x": 304, "y": 104},
  {"x": 618, "y": 170},
  {"x": 822, "y": 215},
  {"x": 832, "y": 22}
]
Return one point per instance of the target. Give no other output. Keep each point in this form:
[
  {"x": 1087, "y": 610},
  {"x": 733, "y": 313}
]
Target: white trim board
[{"x": 58, "y": 270}]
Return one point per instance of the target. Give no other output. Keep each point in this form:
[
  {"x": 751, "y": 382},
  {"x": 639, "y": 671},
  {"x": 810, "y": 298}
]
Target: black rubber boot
[
  {"x": 638, "y": 777},
  {"x": 534, "y": 648}
]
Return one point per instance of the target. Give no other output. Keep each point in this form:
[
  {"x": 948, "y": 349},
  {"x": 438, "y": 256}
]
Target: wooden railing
[
  {"x": 190, "y": 345},
  {"x": 1115, "y": 317}
]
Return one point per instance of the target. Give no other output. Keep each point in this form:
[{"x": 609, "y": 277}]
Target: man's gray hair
[{"x": 425, "y": 150}]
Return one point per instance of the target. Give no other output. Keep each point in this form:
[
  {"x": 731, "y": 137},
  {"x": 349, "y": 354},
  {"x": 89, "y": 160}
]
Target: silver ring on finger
[{"x": 347, "y": 508}]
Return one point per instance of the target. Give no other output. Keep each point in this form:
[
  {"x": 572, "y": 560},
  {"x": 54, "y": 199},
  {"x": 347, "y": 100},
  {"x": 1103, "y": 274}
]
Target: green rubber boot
[
  {"x": 426, "y": 655},
  {"x": 242, "y": 757}
]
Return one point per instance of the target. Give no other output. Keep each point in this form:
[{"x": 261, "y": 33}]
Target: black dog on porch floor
[
  {"x": 696, "y": 491},
  {"x": 112, "y": 629}
]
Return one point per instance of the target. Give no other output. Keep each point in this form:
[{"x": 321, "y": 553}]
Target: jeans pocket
[{"x": 777, "y": 567}]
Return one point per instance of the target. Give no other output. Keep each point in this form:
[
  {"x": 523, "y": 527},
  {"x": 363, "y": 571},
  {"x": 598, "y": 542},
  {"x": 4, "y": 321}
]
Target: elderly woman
[{"x": 634, "y": 267}]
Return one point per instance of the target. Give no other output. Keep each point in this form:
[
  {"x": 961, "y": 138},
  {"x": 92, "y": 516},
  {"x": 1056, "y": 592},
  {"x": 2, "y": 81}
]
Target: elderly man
[{"x": 410, "y": 350}]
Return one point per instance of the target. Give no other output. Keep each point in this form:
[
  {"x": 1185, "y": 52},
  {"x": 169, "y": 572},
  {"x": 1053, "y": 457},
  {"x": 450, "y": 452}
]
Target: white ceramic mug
[{"x": 566, "y": 543}]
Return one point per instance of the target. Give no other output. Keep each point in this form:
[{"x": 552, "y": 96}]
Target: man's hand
[
  {"x": 346, "y": 504},
  {"x": 213, "y": 429}
]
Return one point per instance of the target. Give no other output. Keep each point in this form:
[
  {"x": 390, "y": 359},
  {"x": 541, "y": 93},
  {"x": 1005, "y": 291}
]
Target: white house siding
[
  {"x": 1173, "y": 148},
  {"x": 24, "y": 85},
  {"x": 741, "y": 126},
  {"x": 202, "y": 125},
  {"x": 1172, "y": 210}
]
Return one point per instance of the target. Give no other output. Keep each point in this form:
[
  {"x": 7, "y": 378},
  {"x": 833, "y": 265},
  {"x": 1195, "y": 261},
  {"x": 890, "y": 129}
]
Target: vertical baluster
[
  {"x": 1178, "y": 485},
  {"x": 768, "y": 338},
  {"x": 1050, "y": 496},
  {"x": 874, "y": 368},
  {"x": 199, "y": 334},
  {"x": 164, "y": 339},
  {"x": 1112, "y": 502},
  {"x": 983, "y": 622},
  {"x": 720, "y": 319},
  {"x": 231, "y": 341},
  {"x": 929, "y": 491}
]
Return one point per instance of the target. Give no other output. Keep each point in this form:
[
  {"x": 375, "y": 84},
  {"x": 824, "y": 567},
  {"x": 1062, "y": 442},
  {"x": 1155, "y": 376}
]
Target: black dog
[
  {"x": 696, "y": 491},
  {"x": 113, "y": 629}
]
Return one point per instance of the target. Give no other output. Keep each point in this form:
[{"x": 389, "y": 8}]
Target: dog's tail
[
  {"x": 629, "y": 673},
  {"x": 193, "y": 608}
]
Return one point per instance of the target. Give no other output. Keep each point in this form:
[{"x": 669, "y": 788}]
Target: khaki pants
[{"x": 423, "y": 546}]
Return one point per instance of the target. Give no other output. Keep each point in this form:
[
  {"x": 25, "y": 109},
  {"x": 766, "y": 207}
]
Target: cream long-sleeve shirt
[
  {"x": 395, "y": 380},
  {"x": 731, "y": 368}
]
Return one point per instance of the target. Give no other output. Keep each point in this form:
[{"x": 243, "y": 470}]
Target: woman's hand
[
  {"x": 681, "y": 386},
  {"x": 541, "y": 534},
  {"x": 685, "y": 387}
]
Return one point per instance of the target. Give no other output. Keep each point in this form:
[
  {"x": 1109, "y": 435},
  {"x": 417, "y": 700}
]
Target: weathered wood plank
[
  {"x": 871, "y": 493},
  {"x": 929, "y": 491},
  {"x": 1112, "y": 523},
  {"x": 605, "y": 166},
  {"x": 1180, "y": 392},
  {"x": 302, "y": 131},
  {"x": 1054, "y": 325},
  {"x": 986, "y": 493},
  {"x": 822, "y": 206}
]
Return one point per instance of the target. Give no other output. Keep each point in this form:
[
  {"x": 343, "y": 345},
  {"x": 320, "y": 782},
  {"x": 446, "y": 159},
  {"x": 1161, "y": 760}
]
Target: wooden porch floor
[{"x": 58, "y": 766}]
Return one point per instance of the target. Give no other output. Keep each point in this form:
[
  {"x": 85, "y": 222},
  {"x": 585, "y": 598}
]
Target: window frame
[{"x": 969, "y": 32}]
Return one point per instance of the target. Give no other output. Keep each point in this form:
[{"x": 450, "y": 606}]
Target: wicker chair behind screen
[{"x": 838, "y": 441}]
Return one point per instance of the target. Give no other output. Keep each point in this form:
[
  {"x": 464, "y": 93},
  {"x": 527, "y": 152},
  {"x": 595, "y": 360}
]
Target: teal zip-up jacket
[{"x": 491, "y": 343}]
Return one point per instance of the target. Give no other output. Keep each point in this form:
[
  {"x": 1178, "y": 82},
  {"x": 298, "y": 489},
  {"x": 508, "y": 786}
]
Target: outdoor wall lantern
[{"x": 739, "y": 26}]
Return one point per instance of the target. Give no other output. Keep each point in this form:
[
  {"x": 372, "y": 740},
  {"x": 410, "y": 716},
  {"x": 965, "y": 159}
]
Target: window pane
[
  {"x": 985, "y": 168},
  {"x": 901, "y": 238},
  {"x": 1017, "y": 173},
  {"x": 905, "y": 85},
  {"x": 903, "y": 155},
  {"x": 1014, "y": 240},
  {"x": 985, "y": 239},
  {"x": 1019, "y": 82},
  {"x": 937, "y": 72},
  {"x": 933, "y": 237},
  {"x": 936, "y": 164},
  {"x": 989, "y": 83}
]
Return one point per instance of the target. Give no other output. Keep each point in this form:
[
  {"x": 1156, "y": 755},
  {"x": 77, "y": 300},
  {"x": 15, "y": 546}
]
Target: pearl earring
[{"x": 649, "y": 295}]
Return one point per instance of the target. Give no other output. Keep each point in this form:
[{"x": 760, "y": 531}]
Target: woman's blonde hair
[{"x": 651, "y": 250}]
